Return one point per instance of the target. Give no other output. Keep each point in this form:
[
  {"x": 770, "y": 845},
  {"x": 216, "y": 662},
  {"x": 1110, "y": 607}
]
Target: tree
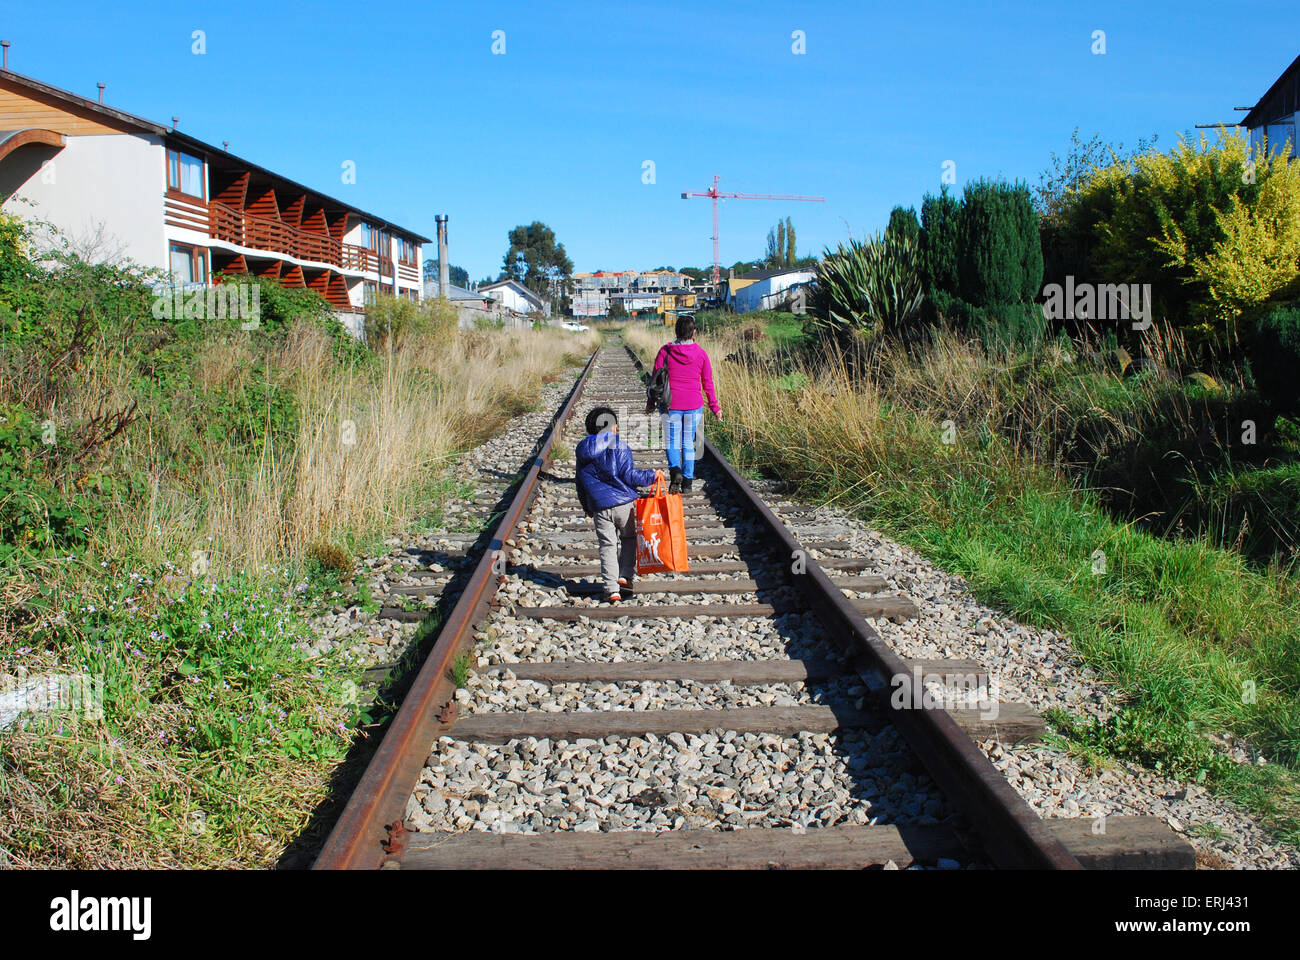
[
  {"x": 1196, "y": 223},
  {"x": 457, "y": 275},
  {"x": 616, "y": 310},
  {"x": 903, "y": 223},
  {"x": 1067, "y": 174},
  {"x": 938, "y": 241},
  {"x": 780, "y": 246},
  {"x": 1000, "y": 256},
  {"x": 536, "y": 260}
]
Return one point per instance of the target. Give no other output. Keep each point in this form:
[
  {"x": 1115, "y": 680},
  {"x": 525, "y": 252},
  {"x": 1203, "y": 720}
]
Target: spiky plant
[{"x": 872, "y": 286}]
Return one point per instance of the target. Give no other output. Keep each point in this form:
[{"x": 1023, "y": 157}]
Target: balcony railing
[
  {"x": 366, "y": 260},
  {"x": 274, "y": 236}
]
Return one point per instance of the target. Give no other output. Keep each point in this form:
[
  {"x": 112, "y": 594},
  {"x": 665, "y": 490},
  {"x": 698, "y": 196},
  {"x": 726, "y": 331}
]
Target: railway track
[{"x": 744, "y": 714}]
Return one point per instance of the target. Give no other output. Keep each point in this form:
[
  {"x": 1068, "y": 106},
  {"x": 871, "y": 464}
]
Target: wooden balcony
[
  {"x": 366, "y": 260},
  {"x": 273, "y": 236},
  {"x": 224, "y": 222}
]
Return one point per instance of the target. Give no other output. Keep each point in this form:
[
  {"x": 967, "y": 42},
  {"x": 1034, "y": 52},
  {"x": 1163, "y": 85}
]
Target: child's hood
[{"x": 594, "y": 444}]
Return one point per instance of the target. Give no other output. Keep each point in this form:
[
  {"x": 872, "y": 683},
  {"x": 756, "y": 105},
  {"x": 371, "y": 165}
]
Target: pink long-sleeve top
[{"x": 688, "y": 369}]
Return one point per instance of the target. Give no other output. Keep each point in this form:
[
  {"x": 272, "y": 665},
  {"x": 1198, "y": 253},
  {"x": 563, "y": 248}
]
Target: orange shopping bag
[{"x": 660, "y": 531}]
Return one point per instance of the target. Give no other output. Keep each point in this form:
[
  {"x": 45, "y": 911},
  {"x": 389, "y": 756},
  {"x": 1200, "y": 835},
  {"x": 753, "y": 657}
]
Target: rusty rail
[{"x": 361, "y": 836}]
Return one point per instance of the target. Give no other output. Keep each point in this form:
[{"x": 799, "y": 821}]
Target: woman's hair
[{"x": 685, "y": 328}]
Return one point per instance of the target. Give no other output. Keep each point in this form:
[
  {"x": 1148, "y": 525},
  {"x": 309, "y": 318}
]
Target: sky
[{"x": 559, "y": 123}]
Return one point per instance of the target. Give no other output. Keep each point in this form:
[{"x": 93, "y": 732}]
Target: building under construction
[{"x": 593, "y": 293}]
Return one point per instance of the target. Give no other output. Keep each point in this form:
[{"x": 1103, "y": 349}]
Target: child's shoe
[
  {"x": 675, "y": 480},
  {"x": 614, "y": 598},
  {"x": 686, "y": 484}
]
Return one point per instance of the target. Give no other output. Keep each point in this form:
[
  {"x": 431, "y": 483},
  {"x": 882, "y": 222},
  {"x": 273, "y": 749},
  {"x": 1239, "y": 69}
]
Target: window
[
  {"x": 406, "y": 251},
  {"x": 188, "y": 264},
  {"x": 370, "y": 292},
  {"x": 185, "y": 173},
  {"x": 1278, "y": 134},
  {"x": 373, "y": 239}
]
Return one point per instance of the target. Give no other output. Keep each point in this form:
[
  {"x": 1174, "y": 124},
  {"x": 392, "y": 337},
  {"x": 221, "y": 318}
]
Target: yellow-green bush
[{"x": 1213, "y": 227}]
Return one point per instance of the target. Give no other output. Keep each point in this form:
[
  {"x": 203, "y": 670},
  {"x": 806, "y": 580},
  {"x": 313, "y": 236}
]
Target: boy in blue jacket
[{"x": 607, "y": 479}]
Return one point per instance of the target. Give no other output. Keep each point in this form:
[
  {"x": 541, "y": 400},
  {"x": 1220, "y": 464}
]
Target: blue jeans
[{"x": 681, "y": 428}]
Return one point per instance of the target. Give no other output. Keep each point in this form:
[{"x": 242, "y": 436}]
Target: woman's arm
[
  {"x": 706, "y": 377},
  {"x": 661, "y": 356}
]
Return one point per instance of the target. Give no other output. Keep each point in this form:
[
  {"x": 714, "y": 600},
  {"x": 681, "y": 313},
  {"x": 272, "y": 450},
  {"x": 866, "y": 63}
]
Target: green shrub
[
  {"x": 37, "y": 513},
  {"x": 281, "y": 307},
  {"x": 1275, "y": 357},
  {"x": 1212, "y": 228},
  {"x": 1009, "y": 325},
  {"x": 998, "y": 325},
  {"x": 938, "y": 242},
  {"x": 1000, "y": 256},
  {"x": 903, "y": 223}
]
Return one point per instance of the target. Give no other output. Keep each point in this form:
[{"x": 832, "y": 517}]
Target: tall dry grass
[{"x": 370, "y": 439}]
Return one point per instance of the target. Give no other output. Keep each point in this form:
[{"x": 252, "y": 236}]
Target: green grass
[
  {"x": 1195, "y": 639},
  {"x": 786, "y": 330},
  {"x": 201, "y": 678}
]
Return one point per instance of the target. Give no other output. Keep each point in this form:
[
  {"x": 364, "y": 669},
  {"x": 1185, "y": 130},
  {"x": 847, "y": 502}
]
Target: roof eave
[{"x": 148, "y": 126}]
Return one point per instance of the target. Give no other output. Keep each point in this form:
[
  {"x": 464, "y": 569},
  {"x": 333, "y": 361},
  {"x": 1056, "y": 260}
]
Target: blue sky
[{"x": 558, "y": 127}]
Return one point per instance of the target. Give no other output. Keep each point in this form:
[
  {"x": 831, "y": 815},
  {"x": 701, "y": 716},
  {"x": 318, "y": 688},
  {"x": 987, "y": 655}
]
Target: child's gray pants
[{"x": 616, "y": 534}]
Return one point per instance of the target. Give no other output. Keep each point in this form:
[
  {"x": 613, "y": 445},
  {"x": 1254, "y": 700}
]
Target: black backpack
[{"x": 658, "y": 393}]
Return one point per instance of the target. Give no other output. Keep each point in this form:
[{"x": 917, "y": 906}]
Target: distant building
[
  {"x": 661, "y": 306},
  {"x": 470, "y": 305},
  {"x": 592, "y": 292},
  {"x": 516, "y": 298},
  {"x": 133, "y": 188},
  {"x": 1274, "y": 116},
  {"x": 769, "y": 289}
]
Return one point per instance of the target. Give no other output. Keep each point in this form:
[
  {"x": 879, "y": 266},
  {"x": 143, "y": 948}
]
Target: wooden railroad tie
[
  {"x": 1128, "y": 843},
  {"x": 717, "y": 549},
  {"x": 1009, "y": 723},
  {"x": 742, "y": 672},
  {"x": 896, "y": 609}
]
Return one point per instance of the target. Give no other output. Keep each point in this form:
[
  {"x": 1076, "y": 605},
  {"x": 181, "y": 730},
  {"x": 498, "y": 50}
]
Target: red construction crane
[{"x": 714, "y": 194}]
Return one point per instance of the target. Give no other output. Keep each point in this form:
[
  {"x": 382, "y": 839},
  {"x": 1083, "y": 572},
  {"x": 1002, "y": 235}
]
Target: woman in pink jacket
[{"x": 689, "y": 370}]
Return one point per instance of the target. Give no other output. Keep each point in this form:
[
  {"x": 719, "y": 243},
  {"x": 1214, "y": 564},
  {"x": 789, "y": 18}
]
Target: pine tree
[
  {"x": 1000, "y": 256},
  {"x": 790, "y": 254},
  {"x": 780, "y": 244},
  {"x": 938, "y": 241},
  {"x": 903, "y": 223}
]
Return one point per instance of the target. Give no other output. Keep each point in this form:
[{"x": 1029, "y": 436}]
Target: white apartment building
[{"x": 167, "y": 200}]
